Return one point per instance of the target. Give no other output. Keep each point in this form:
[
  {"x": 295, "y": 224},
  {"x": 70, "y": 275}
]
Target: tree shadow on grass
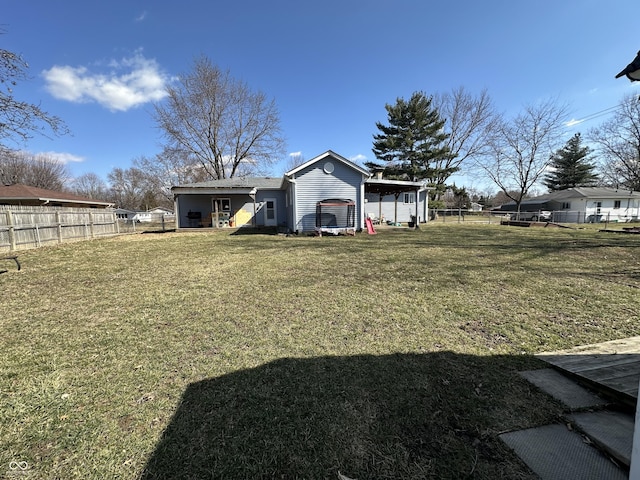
[{"x": 406, "y": 416}]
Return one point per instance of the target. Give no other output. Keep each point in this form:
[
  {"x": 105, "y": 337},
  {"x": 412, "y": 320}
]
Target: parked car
[{"x": 540, "y": 216}]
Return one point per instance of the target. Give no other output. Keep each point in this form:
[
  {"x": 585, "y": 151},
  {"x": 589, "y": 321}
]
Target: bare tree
[
  {"x": 130, "y": 188},
  {"x": 169, "y": 168},
  {"x": 41, "y": 170},
  {"x": 90, "y": 185},
  {"x": 522, "y": 147},
  {"x": 18, "y": 120},
  {"x": 230, "y": 129},
  {"x": 295, "y": 160},
  {"x": 617, "y": 141},
  {"x": 470, "y": 122}
]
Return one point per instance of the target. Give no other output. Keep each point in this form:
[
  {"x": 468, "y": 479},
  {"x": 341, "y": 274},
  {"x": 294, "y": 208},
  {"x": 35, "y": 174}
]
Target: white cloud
[
  {"x": 62, "y": 157},
  {"x": 359, "y": 158},
  {"x": 141, "y": 17},
  {"x": 295, "y": 154},
  {"x": 573, "y": 122},
  {"x": 131, "y": 82}
]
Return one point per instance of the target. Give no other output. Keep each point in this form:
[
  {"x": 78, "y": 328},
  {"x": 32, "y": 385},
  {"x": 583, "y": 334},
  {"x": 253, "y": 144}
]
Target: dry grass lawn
[{"x": 210, "y": 355}]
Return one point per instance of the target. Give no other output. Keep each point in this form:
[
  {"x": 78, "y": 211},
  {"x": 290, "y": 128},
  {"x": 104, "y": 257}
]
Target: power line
[{"x": 595, "y": 115}]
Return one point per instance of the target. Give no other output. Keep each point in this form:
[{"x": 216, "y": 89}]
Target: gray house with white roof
[{"x": 585, "y": 205}]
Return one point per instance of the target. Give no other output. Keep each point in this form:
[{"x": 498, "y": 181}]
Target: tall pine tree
[
  {"x": 412, "y": 141},
  {"x": 571, "y": 167}
]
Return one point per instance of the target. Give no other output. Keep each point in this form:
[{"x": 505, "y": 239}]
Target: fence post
[
  {"x": 91, "y": 227},
  {"x": 38, "y": 243},
  {"x": 59, "y": 227},
  {"x": 12, "y": 235}
]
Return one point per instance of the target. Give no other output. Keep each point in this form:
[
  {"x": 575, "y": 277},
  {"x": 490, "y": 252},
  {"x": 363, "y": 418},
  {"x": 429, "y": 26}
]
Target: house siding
[
  {"x": 312, "y": 185},
  {"x": 587, "y": 210},
  {"x": 281, "y": 211}
]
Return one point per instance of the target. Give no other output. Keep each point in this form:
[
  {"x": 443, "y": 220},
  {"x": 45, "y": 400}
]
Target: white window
[
  {"x": 410, "y": 197},
  {"x": 223, "y": 204}
]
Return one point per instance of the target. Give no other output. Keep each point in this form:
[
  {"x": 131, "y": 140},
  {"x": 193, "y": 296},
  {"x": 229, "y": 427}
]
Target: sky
[{"x": 330, "y": 66}]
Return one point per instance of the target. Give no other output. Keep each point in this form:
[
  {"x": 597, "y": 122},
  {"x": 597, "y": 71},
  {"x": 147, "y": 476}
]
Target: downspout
[{"x": 294, "y": 204}]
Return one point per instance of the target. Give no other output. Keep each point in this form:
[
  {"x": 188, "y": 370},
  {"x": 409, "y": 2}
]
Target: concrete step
[
  {"x": 595, "y": 443},
  {"x": 611, "y": 431},
  {"x": 554, "y": 452},
  {"x": 572, "y": 395}
]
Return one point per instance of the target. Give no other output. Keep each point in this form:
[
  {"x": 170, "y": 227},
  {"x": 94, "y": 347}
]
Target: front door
[{"x": 270, "y": 212}]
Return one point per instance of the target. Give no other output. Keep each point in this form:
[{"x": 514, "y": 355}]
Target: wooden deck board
[{"x": 614, "y": 366}]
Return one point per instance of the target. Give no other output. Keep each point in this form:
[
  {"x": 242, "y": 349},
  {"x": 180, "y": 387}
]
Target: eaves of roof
[{"x": 18, "y": 192}]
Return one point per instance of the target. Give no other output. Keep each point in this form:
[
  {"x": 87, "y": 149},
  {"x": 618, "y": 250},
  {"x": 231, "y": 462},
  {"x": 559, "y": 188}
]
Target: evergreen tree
[
  {"x": 571, "y": 167},
  {"x": 412, "y": 142}
]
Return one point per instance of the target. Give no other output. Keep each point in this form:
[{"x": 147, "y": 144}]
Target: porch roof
[
  {"x": 391, "y": 187},
  {"x": 230, "y": 186}
]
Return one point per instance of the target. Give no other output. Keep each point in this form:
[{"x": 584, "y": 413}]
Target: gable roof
[
  {"x": 335, "y": 156},
  {"x": 18, "y": 192}
]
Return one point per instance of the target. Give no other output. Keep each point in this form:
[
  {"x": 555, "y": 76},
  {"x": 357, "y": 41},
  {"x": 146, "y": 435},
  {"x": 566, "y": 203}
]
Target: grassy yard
[{"x": 209, "y": 355}]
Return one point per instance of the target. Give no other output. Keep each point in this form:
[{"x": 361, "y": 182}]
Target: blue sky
[{"x": 331, "y": 66}]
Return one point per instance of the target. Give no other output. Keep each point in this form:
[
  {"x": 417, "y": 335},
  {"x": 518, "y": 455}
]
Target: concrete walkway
[{"x": 598, "y": 385}]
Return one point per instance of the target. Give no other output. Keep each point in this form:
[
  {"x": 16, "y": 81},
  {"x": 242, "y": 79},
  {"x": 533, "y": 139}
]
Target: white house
[
  {"x": 585, "y": 205},
  {"x": 155, "y": 214}
]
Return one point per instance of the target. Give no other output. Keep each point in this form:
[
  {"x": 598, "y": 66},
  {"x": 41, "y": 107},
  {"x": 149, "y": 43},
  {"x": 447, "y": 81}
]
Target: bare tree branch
[
  {"x": 617, "y": 142},
  {"x": 522, "y": 147},
  {"x": 219, "y": 121},
  {"x": 18, "y": 119}
]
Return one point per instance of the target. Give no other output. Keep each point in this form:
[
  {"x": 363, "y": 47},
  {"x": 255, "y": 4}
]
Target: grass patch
[{"x": 209, "y": 355}]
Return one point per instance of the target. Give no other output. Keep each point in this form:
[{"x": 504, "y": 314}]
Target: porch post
[
  {"x": 255, "y": 220},
  {"x": 395, "y": 210},
  {"x": 415, "y": 225},
  {"x": 176, "y": 212}
]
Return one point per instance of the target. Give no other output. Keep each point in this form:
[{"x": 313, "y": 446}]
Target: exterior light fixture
[{"x": 632, "y": 71}]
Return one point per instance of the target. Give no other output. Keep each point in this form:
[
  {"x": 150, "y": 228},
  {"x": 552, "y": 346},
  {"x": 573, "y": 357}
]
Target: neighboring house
[
  {"x": 155, "y": 214},
  {"x": 124, "y": 214},
  {"x": 585, "y": 205},
  {"x": 25, "y": 195},
  {"x": 328, "y": 183}
]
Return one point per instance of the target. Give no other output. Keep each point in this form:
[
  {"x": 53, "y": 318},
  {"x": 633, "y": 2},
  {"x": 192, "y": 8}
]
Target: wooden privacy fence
[{"x": 22, "y": 228}]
